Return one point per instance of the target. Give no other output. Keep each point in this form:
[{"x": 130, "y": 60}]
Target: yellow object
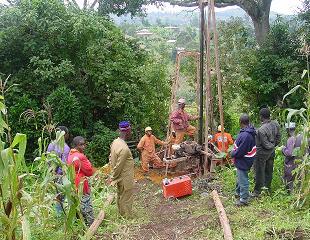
[
  {"x": 148, "y": 129},
  {"x": 148, "y": 154},
  {"x": 122, "y": 164}
]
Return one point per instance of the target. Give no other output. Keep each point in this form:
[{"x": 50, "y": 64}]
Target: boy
[{"x": 243, "y": 154}]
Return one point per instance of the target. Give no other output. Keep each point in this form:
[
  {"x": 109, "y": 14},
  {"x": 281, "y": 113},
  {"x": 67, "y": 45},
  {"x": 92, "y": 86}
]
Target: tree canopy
[{"x": 63, "y": 56}]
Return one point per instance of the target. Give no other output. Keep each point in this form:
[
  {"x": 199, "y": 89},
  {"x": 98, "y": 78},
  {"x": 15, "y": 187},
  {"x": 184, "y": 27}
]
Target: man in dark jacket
[
  {"x": 268, "y": 137},
  {"x": 243, "y": 154}
]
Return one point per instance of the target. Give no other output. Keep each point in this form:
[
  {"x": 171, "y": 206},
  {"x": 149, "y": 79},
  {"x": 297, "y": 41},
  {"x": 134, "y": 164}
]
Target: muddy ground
[{"x": 158, "y": 218}]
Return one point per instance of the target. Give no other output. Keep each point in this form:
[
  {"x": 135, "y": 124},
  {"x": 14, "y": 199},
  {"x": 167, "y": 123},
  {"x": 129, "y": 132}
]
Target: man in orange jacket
[
  {"x": 147, "y": 148},
  {"x": 217, "y": 139}
]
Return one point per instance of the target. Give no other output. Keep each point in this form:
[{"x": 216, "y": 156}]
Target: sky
[{"x": 279, "y": 6}]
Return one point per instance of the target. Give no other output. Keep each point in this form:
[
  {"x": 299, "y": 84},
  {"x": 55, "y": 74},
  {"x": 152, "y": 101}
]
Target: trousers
[
  {"x": 124, "y": 198},
  {"x": 263, "y": 167},
  {"x": 242, "y": 185}
]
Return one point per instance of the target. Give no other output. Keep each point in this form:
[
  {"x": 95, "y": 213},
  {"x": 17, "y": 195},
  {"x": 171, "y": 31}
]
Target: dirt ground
[{"x": 158, "y": 218}]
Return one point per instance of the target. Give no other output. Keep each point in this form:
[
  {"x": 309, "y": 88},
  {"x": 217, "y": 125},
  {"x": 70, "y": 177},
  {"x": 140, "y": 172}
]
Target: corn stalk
[
  {"x": 13, "y": 212},
  {"x": 302, "y": 172}
]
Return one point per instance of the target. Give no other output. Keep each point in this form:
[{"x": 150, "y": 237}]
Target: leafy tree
[
  {"x": 305, "y": 17},
  {"x": 276, "y": 68},
  {"x": 66, "y": 109},
  {"x": 46, "y": 45}
]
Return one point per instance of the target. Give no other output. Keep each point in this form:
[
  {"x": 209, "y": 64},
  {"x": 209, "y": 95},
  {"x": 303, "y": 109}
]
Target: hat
[
  {"x": 181, "y": 101},
  {"x": 124, "y": 126},
  {"x": 219, "y": 128},
  {"x": 290, "y": 125},
  {"x": 148, "y": 129}
]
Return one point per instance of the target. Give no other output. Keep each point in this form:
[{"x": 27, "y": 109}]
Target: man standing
[
  {"x": 147, "y": 148},
  {"x": 83, "y": 170},
  {"x": 268, "y": 137},
  {"x": 222, "y": 145},
  {"x": 289, "y": 164},
  {"x": 180, "y": 121},
  {"x": 122, "y": 164},
  {"x": 243, "y": 154}
]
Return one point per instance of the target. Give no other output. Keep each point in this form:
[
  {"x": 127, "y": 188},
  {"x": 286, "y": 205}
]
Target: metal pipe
[{"x": 202, "y": 27}]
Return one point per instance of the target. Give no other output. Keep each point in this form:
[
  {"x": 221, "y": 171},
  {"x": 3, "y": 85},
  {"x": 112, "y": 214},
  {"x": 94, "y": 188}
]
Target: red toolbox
[{"x": 177, "y": 187}]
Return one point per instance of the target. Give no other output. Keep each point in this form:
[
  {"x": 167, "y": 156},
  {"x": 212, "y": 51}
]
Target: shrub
[
  {"x": 98, "y": 149},
  {"x": 66, "y": 109}
]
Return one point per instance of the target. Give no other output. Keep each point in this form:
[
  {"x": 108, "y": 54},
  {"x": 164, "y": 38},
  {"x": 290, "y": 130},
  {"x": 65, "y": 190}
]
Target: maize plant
[
  {"x": 302, "y": 172},
  {"x": 14, "y": 212}
]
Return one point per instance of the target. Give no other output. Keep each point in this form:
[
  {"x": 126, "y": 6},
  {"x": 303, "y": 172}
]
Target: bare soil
[{"x": 176, "y": 219}]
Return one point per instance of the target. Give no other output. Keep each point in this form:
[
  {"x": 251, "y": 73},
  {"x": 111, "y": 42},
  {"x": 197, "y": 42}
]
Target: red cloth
[
  {"x": 83, "y": 169},
  {"x": 179, "y": 119}
]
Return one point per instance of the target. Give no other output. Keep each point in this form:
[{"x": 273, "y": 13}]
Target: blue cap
[{"x": 124, "y": 126}]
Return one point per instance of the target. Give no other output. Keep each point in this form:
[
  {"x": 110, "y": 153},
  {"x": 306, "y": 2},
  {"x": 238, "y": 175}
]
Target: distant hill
[{"x": 181, "y": 18}]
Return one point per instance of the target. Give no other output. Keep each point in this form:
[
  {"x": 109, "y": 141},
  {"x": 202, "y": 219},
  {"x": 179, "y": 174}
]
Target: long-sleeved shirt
[
  {"x": 268, "y": 137},
  {"x": 147, "y": 143},
  {"x": 292, "y": 143},
  {"x": 122, "y": 163},
  {"x": 180, "y": 119},
  {"x": 62, "y": 154},
  {"x": 83, "y": 169}
]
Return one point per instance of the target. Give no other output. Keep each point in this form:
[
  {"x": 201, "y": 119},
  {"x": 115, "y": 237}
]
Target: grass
[{"x": 192, "y": 217}]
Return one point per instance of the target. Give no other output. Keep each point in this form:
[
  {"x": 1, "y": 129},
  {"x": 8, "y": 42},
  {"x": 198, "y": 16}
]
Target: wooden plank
[
  {"x": 95, "y": 225},
  {"x": 222, "y": 215}
]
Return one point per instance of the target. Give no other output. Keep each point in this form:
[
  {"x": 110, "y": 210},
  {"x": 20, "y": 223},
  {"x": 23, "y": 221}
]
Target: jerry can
[{"x": 177, "y": 187}]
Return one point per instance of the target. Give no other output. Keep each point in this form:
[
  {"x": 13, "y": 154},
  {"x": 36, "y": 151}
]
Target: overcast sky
[{"x": 278, "y": 6}]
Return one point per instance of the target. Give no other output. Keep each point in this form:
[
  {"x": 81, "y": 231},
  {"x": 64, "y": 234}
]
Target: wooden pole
[
  {"x": 95, "y": 225},
  {"x": 208, "y": 68},
  {"x": 222, "y": 215},
  {"x": 197, "y": 57},
  {"x": 208, "y": 89},
  {"x": 202, "y": 26},
  {"x": 218, "y": 71}
]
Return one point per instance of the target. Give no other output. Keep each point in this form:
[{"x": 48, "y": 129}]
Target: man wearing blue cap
[{"x": 122, "y": 164}]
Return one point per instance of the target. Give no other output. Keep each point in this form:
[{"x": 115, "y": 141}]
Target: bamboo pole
[
  {"x": 222, "y": 215},
  {"x": 218, "y": 71},
  {"x": 95, "y": 225}
]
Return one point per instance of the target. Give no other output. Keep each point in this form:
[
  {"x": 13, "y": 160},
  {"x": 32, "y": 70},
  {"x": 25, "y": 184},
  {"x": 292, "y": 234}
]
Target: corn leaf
[
  {"x": 304, "y": 73},
  {"x": 26, "y": 228},
  {"x": 293, "y": 90},
  {"x": 293, "y": 112}
]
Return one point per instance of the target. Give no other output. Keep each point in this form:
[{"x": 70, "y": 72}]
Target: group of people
[
  {"x": 83, "y": 169},
  {"x": 257, "y": 147},
  {"x": 251, "y": 147}
]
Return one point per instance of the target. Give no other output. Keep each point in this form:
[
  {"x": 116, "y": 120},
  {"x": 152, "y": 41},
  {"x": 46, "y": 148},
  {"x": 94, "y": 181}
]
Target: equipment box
[{"x": 177, "y": 187}]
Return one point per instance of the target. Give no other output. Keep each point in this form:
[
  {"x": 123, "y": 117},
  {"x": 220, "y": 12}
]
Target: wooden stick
[
  {"x": 95, "y": 225},
  {"x": 218, "y": 71},
  {"x": 222, "y": 215},
  {"x": 208, "y": 89}
]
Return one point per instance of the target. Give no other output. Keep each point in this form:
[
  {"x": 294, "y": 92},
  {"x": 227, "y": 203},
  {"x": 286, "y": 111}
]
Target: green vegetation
[{"x": 61, "y": 65}]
